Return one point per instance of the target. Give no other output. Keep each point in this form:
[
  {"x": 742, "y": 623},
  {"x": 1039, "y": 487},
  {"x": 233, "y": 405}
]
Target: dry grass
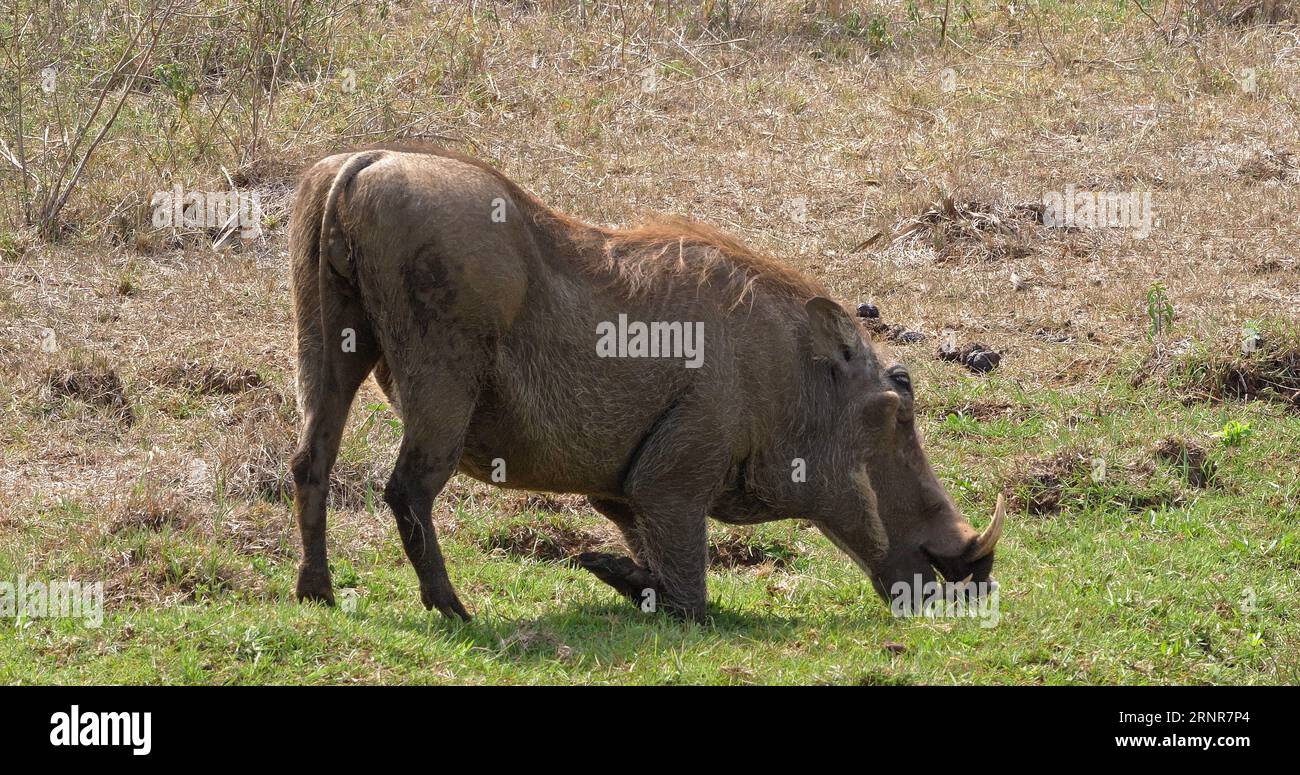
[{"x": 789, "y": 127}]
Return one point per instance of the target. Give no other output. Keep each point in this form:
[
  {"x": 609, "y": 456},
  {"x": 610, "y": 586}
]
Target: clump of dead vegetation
[
  {"x": 548, "y": 540},
  {"x": 958, "y": 230},
  {"x": 1076, "y": 476},
  {"x": 738, "y": 549},
  {"x": 94, "y": 382},
  {"x": 552, "y": 538},
  {"x": 1262, "y": 363},
  {"x": 209, "y": 378},
  {"x": 1271, "y": 164}
]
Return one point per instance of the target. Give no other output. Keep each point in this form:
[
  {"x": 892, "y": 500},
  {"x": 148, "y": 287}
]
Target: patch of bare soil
[
  {"x": 96, "y": 383},
  {"x": 1190, "y": 459}
]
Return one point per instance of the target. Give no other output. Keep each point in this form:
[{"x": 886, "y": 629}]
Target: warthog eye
[{"x": 901, "y": 378}]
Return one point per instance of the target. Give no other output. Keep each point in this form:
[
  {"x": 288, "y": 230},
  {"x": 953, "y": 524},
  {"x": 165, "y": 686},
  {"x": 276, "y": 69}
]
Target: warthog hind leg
[
  {"x": 436, "y": 378},
  {"x": 417, "y": 479},
  {"x": 328, "y": 379}
]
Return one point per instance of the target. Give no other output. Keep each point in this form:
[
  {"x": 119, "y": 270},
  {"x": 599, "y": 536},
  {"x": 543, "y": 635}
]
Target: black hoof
[{"x": 315, "y": 587}]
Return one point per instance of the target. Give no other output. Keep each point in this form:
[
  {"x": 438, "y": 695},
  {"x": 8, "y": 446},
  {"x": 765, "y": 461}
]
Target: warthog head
[{"x": 891, "y": 514}]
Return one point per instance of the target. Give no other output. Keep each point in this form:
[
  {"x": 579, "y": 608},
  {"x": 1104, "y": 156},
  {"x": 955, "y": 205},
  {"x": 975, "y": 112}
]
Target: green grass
[{"x": 1099, "y": 592}]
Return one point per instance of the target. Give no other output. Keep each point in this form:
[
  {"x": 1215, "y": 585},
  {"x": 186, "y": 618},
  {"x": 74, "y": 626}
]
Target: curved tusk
[{"x": 983, "y": 546}]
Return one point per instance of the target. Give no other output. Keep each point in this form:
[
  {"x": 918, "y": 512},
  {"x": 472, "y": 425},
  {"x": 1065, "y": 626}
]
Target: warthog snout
[{"x": 975, "y": 562}]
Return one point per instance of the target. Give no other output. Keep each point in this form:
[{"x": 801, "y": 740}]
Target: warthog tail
[{"x": 334, "y": 251}]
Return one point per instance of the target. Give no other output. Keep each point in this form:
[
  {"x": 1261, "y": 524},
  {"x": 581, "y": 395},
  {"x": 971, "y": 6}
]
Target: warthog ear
[{"x": 834, "y": 335}]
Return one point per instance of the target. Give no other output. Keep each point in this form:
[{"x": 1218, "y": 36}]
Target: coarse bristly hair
[{"x": 665, "y": 249}]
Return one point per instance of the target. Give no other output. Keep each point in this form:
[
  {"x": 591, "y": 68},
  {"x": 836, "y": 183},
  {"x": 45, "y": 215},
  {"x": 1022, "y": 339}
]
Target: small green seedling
[
  {"x": 1235, "y": 434},
  {"x": 1160, "y": 310}
]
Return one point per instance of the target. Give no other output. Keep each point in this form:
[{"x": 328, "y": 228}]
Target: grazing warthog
[{"x": 480, "y": 312}]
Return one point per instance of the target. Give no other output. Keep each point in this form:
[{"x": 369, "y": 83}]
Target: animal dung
[
  {"x": 906, "y": 336},
  {"x": 894, "y": 333},
  {"x": 979, "y": 358}
]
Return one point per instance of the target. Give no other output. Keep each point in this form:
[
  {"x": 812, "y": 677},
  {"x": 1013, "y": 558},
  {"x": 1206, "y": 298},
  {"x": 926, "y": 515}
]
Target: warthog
[{"x": 480, "y": 311}]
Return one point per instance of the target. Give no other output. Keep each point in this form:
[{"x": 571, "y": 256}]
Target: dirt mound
[
  {"x": 736, "y": 550},
  {"x": 1257, "y": 366},
  {"x": 1040, "y": 487},
  {"x": 1072, "y": 476}
]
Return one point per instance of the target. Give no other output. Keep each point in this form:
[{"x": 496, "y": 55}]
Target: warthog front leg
[
  {"x": 623, "y": 574},
  {"x": 628, "y": 576},
  {"x": 623, "y": 518},
  {"x": 672, "y": 482}
]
